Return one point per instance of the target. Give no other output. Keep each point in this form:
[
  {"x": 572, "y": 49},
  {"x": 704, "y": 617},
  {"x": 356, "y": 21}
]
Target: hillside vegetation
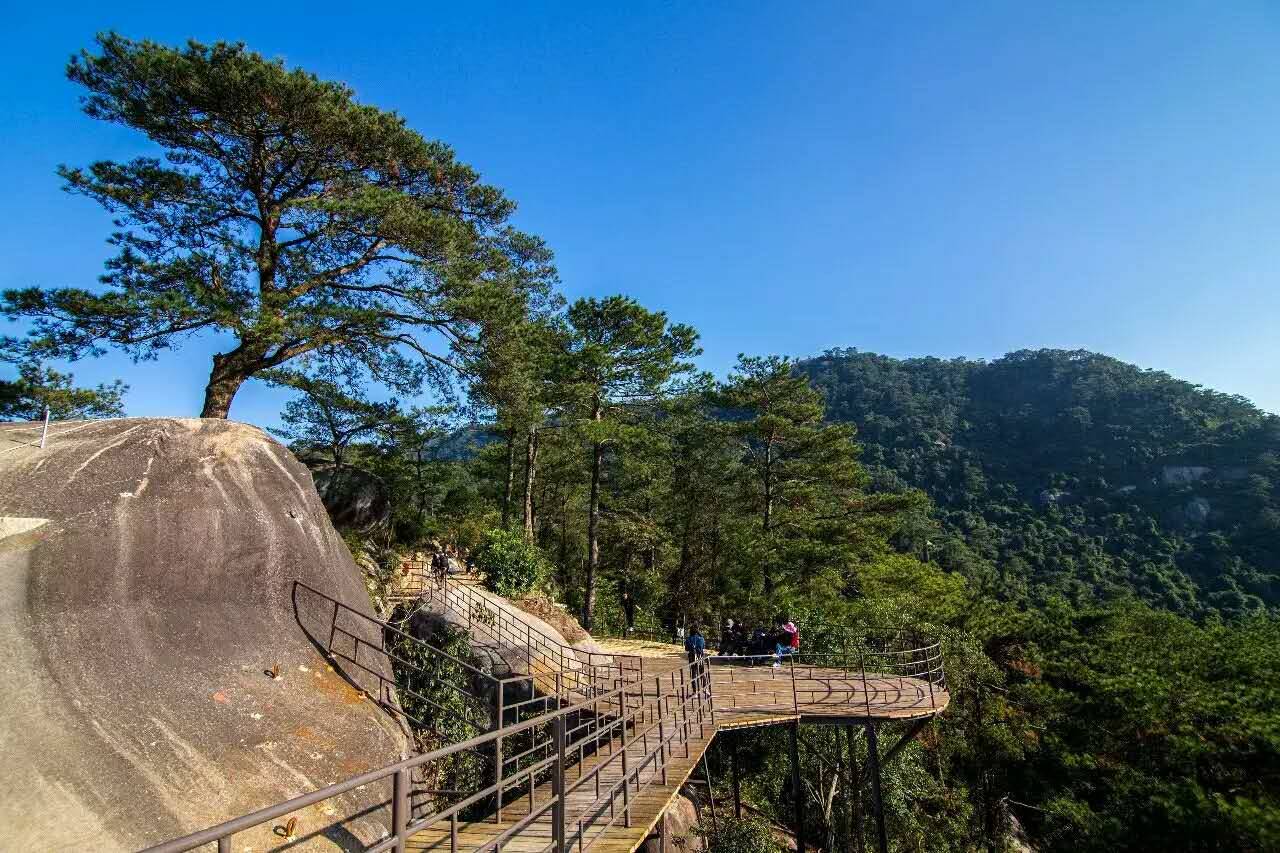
[{"x": 1070, "y": 472}]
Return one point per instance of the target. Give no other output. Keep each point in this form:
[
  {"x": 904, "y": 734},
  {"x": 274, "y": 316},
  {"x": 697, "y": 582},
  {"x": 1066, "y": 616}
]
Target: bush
[
  {"x": 510, "y": 566},
  {"x": 746, "y": 835}
]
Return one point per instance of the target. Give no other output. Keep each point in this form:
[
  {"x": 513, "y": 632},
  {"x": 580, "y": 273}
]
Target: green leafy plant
[
  {"x": 510, "y": 566},
  {"x": 741, "y": 835}
]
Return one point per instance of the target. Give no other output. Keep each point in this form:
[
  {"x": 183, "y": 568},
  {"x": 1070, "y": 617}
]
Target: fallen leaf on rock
[{"x": 220, "y": 697}]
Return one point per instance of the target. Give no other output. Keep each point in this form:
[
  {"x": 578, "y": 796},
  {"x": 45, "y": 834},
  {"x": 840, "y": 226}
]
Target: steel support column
[
  {"x": 873, "y": 767},
  {"x": 796, "y": 793},
  {"x": 737, "y": 781},
  {"x": 855, "y": 795},
  {"x": 711, "y": 794}
]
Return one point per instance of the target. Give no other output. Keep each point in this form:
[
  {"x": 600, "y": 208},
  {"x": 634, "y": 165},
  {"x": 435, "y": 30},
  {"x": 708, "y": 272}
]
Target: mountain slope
[{"x": 1070, "y": 472}]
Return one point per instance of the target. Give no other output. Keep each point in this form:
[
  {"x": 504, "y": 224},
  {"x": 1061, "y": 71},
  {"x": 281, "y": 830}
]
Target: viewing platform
[{"x": 585, "y": 750}]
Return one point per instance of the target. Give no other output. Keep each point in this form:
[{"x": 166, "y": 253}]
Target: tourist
[
  {"x": 788, "y": 642},
  {"x": 696, "y": 646},
  {"x": 728, "y": 639}
]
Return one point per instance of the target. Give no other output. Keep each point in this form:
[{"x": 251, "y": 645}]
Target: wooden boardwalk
[
  {"x": 587, "y": 748},
  {"x": 742, "y": 695}
]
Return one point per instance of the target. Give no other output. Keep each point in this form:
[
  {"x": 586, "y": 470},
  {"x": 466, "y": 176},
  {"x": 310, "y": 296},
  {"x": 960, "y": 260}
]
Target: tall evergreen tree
[
  {"x": 802, "y": 474},
  {"x": 283, "y": 213},
  {"x": 620, "y": 356}
]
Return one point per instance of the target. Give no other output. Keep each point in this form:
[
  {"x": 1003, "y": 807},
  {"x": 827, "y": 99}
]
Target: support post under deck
[
  {"x": 796, "y": 793},
  {"x": 737, "y": 781},
  {"x": 877, "y": 803},
  {"x": 855, "y": 795},
  {"x": 711, "y": 793}
]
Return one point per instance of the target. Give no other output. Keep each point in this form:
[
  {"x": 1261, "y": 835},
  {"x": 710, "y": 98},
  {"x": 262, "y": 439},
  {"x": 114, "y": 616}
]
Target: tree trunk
[
  {"x": 509, "y": 486},
  {"x": 593, "y": 536},
  {"x": 768, "y": 518},
  {"x": 225, "y": 380},
  {"x": 530, "y": 474}
]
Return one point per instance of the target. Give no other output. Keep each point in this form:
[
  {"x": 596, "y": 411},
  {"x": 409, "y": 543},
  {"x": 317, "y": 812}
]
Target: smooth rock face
[
  {"x": 138, "y": 627},
  {"x": 682, "y": 827}
]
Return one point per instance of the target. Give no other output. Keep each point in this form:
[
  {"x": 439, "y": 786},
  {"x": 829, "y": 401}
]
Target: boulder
[
  {"x": 682, "y": 827},
  {"x": 160, "y": 677},
  {"x": 353, "y": 498}
]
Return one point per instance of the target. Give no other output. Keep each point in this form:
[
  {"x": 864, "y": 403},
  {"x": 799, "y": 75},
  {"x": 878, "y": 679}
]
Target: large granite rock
[{"x": 147, "y": 574}]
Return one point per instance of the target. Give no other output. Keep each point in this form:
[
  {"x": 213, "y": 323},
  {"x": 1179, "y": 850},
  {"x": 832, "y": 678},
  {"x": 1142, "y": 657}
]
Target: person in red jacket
[{"x": 788, "y": 642}]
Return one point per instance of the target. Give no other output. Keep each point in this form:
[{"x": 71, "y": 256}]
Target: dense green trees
[
  {"x": 36, "y": 388},
  {"x": 1072, "y": 473},
  {"x": 620, "y": 359},
  {"x": 1081, "y": 715}
]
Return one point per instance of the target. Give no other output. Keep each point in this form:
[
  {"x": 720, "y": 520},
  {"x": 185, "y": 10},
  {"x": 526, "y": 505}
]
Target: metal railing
[
  {"x": 619, "y": 740},
  {"x": 583, "y": 672},
  {"x": 878, "y": 674},
  {"x": 645, "y": 732}
]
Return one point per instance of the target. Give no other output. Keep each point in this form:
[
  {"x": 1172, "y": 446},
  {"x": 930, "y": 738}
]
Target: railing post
[
  {"x": 400, "y": 808},
  {"x": 44, "y": 434},
  {"x": 928, "y": 674},
  {"x": 557, "y": 788},
  {"x": 709, "y": 696},
  {"x": 224, "y": 843},
  {"x": 626, "y": 807},
  {"x": 866, "y": 695},
  {"x": 497, "y": 754},
  {"x": 795, "y": 693},
  {"x": 333, "y": 627}
]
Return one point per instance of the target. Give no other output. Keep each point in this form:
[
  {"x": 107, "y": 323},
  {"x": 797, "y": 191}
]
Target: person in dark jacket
[{"x": 695, "y": 644}]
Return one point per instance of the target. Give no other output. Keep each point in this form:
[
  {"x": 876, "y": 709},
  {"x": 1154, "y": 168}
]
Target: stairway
[
  {"x": 625, "y": 772},
  {"x": 587, "y": 750}
]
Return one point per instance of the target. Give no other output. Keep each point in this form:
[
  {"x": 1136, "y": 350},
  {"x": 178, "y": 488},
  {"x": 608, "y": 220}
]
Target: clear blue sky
[{"x": 899, "y": 177}]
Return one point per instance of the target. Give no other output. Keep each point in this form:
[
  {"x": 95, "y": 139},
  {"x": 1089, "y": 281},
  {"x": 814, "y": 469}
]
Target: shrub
[
  {"x": 510, "y": 566},
  {"x": 746, "y": 835}
]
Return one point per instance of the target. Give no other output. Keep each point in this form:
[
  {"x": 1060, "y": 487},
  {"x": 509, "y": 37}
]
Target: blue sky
[{"x": 898, "y": 177}]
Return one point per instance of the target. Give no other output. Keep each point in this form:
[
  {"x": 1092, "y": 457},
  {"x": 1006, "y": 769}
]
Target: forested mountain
[{"x": 1073, "y": 473}]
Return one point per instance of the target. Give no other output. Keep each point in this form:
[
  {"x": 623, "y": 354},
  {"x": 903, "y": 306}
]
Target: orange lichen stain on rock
[
  {"x": 221, "y": 698},
  {"x": 318, "y": 739},
  {"x": 336, "y": 688}
]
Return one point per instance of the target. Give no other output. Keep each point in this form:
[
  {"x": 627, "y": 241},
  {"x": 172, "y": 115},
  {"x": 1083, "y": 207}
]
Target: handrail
[
  {"x": 404, "y": 826},
  {"x": 592, "y": 669},
  {"x": 634, "y": 729}
]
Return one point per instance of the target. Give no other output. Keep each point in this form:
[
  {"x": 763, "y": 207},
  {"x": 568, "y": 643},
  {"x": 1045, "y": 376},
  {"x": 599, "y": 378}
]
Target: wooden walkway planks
[
  {"x": 607, "y": 833},
  {"x": 742, "y": 696}
]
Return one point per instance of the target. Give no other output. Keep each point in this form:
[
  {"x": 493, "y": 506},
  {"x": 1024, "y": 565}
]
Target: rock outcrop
[{"x": 146, "y": 579}]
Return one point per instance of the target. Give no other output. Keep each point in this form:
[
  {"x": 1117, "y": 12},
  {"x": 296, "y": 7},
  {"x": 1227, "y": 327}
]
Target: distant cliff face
[
  {"x": 1069, "y": 471},
  {"x": 146, "y": 571}
]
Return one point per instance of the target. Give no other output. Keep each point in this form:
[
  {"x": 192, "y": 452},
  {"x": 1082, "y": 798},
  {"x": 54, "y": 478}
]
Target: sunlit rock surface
[{"x": 146, "y": 579}]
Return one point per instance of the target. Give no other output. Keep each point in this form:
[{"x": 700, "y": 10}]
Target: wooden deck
[
  {"x": 750, "y": 695},
  {"x": 742, "y": 695}
]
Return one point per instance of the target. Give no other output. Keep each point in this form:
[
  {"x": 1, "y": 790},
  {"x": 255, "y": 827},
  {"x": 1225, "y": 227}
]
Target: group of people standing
[
  {"x": 448, "y": 560},
  {"x": 739, "y": 640}
]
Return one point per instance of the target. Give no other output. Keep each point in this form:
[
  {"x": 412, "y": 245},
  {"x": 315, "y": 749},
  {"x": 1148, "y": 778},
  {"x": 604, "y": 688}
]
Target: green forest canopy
[{"x": 1075, "y": 473}]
